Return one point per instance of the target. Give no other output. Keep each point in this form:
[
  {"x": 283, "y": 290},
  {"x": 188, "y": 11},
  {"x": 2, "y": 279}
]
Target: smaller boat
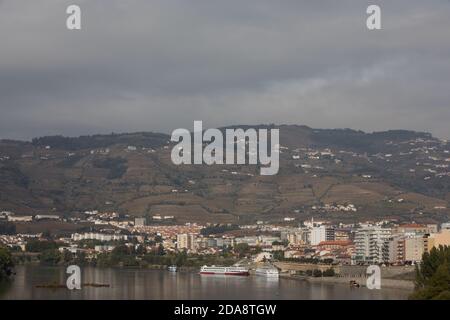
[
  {"x": 172, "y": 268},
  {"x": 354, "y": 284},
  {"x": 267, "y": 271}
]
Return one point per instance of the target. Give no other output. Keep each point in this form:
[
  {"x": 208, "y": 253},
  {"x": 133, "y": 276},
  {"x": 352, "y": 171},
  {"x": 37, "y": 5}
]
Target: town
[{"x": 309, "y": 247}]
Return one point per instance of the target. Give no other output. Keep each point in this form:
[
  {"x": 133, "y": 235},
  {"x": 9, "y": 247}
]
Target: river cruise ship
[{"x": 228, "y": 271}]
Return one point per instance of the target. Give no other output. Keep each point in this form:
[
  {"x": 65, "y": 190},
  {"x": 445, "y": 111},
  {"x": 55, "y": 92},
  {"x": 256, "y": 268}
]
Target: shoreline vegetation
[
  {"x": 6, "y": 264},
  {"x": 123, "y": 256},
  {"x": 433, "y": 275},
  {"x": 48, "y": 253}
]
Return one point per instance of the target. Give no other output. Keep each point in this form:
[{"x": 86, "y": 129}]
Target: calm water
[{"x": 156, "y": 284}]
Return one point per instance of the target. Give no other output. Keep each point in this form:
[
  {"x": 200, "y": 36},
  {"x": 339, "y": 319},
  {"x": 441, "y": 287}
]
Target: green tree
[
  {"x": 67, "y": 256},
  {"x": 140, "y": 250},
  {"x": 329, "y": 273},
  {"x": 80, "y": 258},
  {"x": 280, "y": 243},
  {"x": 278, "y": 255},
  {"x": 160, "y": 250},
  {"x": 433, "y": 275},
  {"x": 50, "y": 257},
  {"x": 242, "y": 249},
  {"x": 46, "y": 235},
  {"x": 123, "y": 255},
  {"x": 104, "y": 260},
  {"x": 40, "y": 246},
  {"x": 6, "y": 263},
  {"x": 317, "y": 273},
  {"x": 181, "y": 258}
]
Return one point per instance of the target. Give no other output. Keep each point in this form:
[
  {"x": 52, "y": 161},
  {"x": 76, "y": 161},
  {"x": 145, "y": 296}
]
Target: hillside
[{"x": 392, "y": 174}]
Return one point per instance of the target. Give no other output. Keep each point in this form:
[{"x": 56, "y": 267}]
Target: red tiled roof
[
  {"x": 336, "y": 243},
  {"x": 412, "y": 225}
]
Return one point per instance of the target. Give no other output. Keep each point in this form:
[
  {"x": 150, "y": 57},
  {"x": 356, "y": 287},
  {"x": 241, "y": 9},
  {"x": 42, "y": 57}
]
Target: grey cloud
[{"x": 158, "y": 65}]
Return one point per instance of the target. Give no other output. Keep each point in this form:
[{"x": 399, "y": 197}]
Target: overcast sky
[{"x": 158, "y": 65}]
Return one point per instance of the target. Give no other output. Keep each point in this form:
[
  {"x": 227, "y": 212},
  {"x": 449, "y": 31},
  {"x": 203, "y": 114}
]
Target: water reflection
[{"x": 157, "y": 284}]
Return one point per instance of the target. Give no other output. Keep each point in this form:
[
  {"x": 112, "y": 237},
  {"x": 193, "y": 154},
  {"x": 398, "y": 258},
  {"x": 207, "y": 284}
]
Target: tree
[
  {"x": 120, "y": 255},
  {"x": 80, "y": 258},
  {"x": 40, "y": 246},
  {"x": 317, "y": 273},
  {"x": 329, "y": 273},
  {"x": 278, "y": 255},
  {"x": 89, "y": 243},
  {"x": 46, "y": 235},
  {"x": 181, "y": 258},
  {"x": 140, "y": 250},
  {"x": 6, "y": 263},
  {"x": 67, "y": 256},
  {"x": 433, "y": 275},
  {"x": 121, "y": 250},
  {"x": 242, "y": 249},
  {"x": 50, "y": 257},
  {"x": 280, "y": 243},
  {"x": 160, "y": 250}
]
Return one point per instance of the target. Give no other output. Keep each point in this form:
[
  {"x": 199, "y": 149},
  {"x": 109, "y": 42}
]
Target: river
[{"x": 144, "y": 284}]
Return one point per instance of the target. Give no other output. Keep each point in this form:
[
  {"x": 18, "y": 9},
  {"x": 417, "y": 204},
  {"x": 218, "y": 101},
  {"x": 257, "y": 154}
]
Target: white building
[
  {"x": 322, "y": 233},
  {"x": 98, "y": 236},
  {"x": 104, "y": 248},
  {"x": 372, "y": 244},
  {"x": 46, "y": 217},
  {"x": 186, "y": 241},
  {"x": 263, "y": 256},
  {"x": 250, "y": 240},
  {"x": 20, "y": 218},
  {"x": 445, "y": 225},
  {"x": 318, "y": 234},
  {"x": 139, "y": 222}
]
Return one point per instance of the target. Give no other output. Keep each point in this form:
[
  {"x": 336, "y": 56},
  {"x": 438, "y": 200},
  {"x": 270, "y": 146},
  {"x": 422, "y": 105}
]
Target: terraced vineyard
[{"x": 393, "y": 174}]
